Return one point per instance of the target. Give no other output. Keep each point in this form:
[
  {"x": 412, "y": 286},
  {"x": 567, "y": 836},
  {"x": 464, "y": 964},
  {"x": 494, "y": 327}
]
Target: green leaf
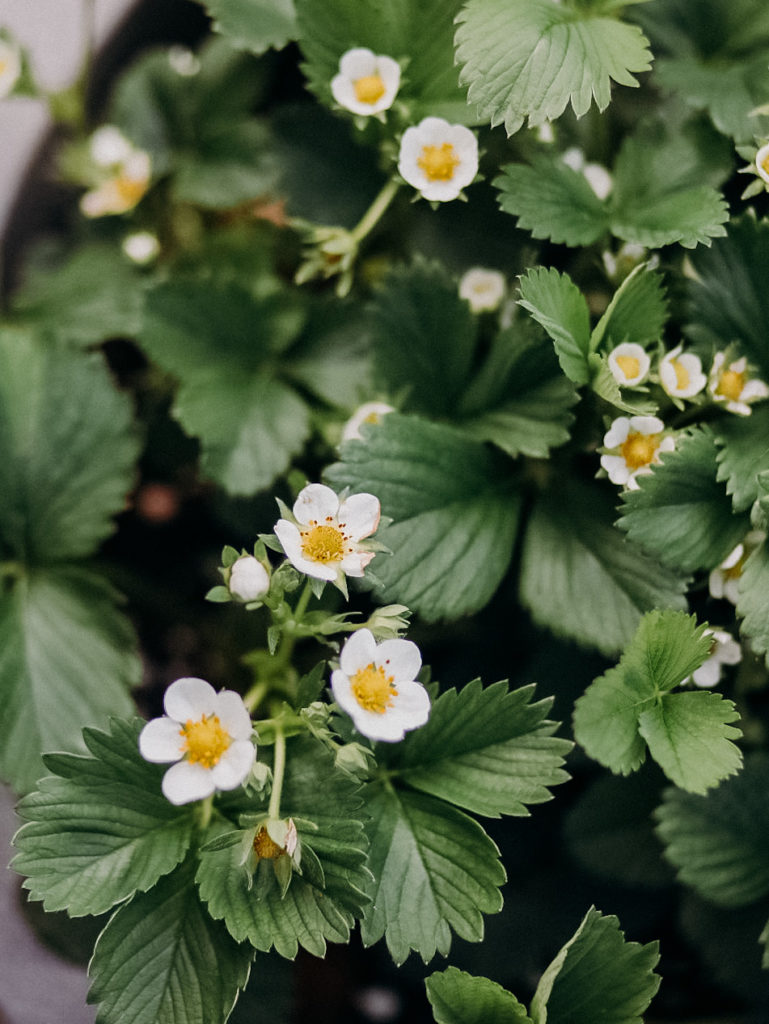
[
  {"x": 102, "y": 831},
  {"x": 530, "y": 58},
  {"x": 719, "y": 842},
  {"x": 460, "y": 998},
  {"x": 453, "y": 508},
  {"x": 254, "y": 26},
  {"x": 556, "y": 303},
  {"x": 753, "y": 602},
  {"x": 162, "y": 960},
  {"x": 570, "y": 550},
  {"x": 743, "y": 453},
  {"x": 680, "y": 512},
  {"x": 67, "y": 660},
  {"x": 436, "y": 872},
  {"x": 488, "y": 750},
  {"x": 606, "y": 720},
  {"x": 67, "y": 450},
  {"x": 637, "y": 312},
  {"x": 597, "y": 975},
  {"x": 332, "y": 357}
]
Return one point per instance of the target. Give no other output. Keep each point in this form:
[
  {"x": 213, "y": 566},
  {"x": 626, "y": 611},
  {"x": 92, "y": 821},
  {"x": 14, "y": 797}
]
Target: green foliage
[
  {"x": 632, "y": 705},
  {"x": 753, "y": 603},
  {"x": 254, "y": 26},
  {"x": 638, "y": 311},
  {"x": 530, "y": 58},
  {"x": 460, "y": 998},
  {"x": 557, "y": 304},
  {"x": 743, "y": 453},
  {"x": 453, "y": 508},
  {"x": 99, "y": 830}
]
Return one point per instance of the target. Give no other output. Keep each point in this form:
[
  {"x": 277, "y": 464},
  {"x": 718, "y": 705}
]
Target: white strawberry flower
[
  {"x": 723, "y": 582},
  {"x": 633, "y": 445},
  {"x": 367, "y": 83},
  {"x": 438, "y": 158},
  {"x": 10, "y": 67},
  {"x": 141, "y": 247},
  {"x": 484, "y": 289},
  {"x": 629, "y": 364},
  {"x": 376, "y": 686},
  {"x": 369, "y": 412},
  {"x": 249, "y": 580},
  {"x": 596, "y": 175},
  {"x": 125, "y": 175},
  {"x": 208, "y": 737},
  {"x": 762, "y": 162},
  {"x": 681, "y": 374},
  {"x": 733, "y": 385},
  {"x": 724, "y": 650},
  {"x": 325, "y": 538}
]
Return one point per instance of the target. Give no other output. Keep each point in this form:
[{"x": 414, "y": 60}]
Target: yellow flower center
[
  {"x": 130, "y": 190},
  {"x": 765, "y": 164},
  {"x": 205, "y": 740},
  {"x": 730, "y": 385},
  {"x": 629, "y": 365},
  {"x": 682, "y": 375},
  {"x": 3, "y": 65},
  {"x": 265, "y": 846},
  {"x": 639, "y": 449},
  {"x": 369, "y": 89},
  {"x": 323, "y": 543},
  {"x": 438, "y": 162},
  {"x": 372, "y": 689}
]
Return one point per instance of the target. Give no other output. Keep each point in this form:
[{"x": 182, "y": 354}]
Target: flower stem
[
  {"x": 278, "y": 771},
  {"x": 256, "y": 694},
  {"x": 204, "y": 811},
  {"x": 371, "y": 217}
]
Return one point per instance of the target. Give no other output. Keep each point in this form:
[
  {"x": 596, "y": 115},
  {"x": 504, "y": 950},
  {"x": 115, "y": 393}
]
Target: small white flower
[
  {"x": 629, "y": 364},
  {"x": 109, "y": 147},
  {"x": 596, "y": 175},
  {"x": 681, "y": 374},
  {"x": 141, "y": 247},
  {"x": 733, "y": 386},
  {"x": 367, "y": 83},
  {"x": 545, "y": 133},
  {"x": 324, "y": 540},
  {"x": 627, "y": 257},
  {"x": 762, "y": 162},
  {"x": 183, "y": 61},
  {"x": 249, "y": 580},
  {"x": 438, "y": 158},
  {"x": 633, "y": 446},
  {"x": 376, "y": 686},
  {"x": 369, "y": 412},
  {"x": 484, "y": 289},
  {"x": 723, "y": 582},
  {"x": 207, "y": 734},
  {"x": 10, "y": 67},
  {"x": 124, "y": 186},
  {"x": 724, "y": 650}
]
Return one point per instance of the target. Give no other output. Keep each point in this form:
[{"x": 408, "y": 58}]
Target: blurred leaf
[
  {"x": 556, "y": 303},
  {"x": 743, "y": 453},
  {"x": 460, "y": 998},
  {"x": 753, "y": 602},
  {"x": 254, "y": 26},
  {"x": 332, "y": 357}
]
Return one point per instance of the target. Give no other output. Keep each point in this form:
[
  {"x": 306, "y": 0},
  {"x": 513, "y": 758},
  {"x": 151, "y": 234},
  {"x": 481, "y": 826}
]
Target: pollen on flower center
[
  {"x": 130, "y": 190},
  {"x": 438, "y": 162},
  {"x": 372, "y": 689},
  {"x": 369, "y": 89},
  {"x": 629, "y": 365},
  {"x": 639, "y": 449},
  {"x": 323, "y": 544},
  {"x": 731, "y": 384},
  {"x": 265, "y": 846},
  {"x": 682, "y": 375},
  {"x": 205, "y": 740}
]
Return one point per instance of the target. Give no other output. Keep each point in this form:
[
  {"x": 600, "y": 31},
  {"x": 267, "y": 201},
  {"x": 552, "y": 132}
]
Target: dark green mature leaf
[
  {"x": 680, "y": 512},
  {"x": 453, "y": 507},
  {"x": 753, "y": 603},
  {"x": 162, "y": 960},
  {"x": 67, "y": 660},
  {"x": 103, "y": 830},
  {"x": 488, "y": 750},
  {"x": 597, "y": 975},
  {"x": 719, "y": 843},
  {"x": 436, "y": 872},
  {"x": 743, "y": 453},
  {"x": 254, "y": 26},
  {"x": 581, "y": 578},
  {"x": 606, "y": 720},
  {"x": 558, "y": 305},
  {"x": 460, "y": 998},
  {"x": 530, "y": 58},
  {"x": 67, "y": 450}
]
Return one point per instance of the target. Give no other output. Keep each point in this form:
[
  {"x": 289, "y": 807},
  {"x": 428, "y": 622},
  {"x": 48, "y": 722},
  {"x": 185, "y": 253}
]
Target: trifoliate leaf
[
  {"x": 581, "y": 578},
  {"x": 530, "y": 58},
  {"x": 67, "y": 660},
  {"x": 753, "y": 602},
  {"x": 719, "y": 843},
  {"x": 67, "y": 450},
  {"x": 606, "y": 720},
  {"x": 557, "y": 304},
  {"x": 680, "y": 512},
  {"x": 102, "y": 830},
  {"x": 162, "y": 959},
  {"x": 488, "y": 750},
  {"x": 597, "y": 975},
  {"x": 254, "y": 26},
  {"x": 460, "y": 998},
  {"x": 637, "y": 311},
  {"x": 743, "y": 453},
  {"x": 453, "y": 507},
  {"x": 436, "y": 872}
]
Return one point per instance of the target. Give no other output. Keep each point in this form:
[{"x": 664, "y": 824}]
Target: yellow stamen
[
  {"x": 765, "y": 164},
  {"x": 640, "y": 449},
  {"x": 438, "y": 162},
  {"x": 369, "y": 89},
  {"x": 265, "y": 846},
  {"x": 323, "y": 544},
  {"x": 3, "y": 66},
  {"x": 205, "y": 740},
  {"x": 629, "y": 365},
  {"x": 682, "y": 375},
  {"x": 130, "y": 190},
  {"x": 730, "y": 385},
  {"x": 372, "y": 689}
]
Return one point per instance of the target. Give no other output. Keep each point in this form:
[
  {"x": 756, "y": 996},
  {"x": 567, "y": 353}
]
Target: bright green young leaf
[
  {"x": 680, "y": 512},
  {"x": 103, "y": 830},
  {"x": 67, "y": 450},
  {"x": 581, "y": 578},
  {"x": 597, "y": 975},
  {"x": 488, "y": 750},
  {"x": 162, "y": 959},
  {"x": 254, "y": 26},
  {"x": 436, "y": 872},
  {"x": 530, "y": 58},
  {"x": 67, "y": 660},
  {"x": 606, "y": 720},
  {"x": 558, "y": 305},
  {"x": 753, "y": 603},
  {"x": 454, "y": 513},
  {"x": 460, "y": 998},
  {"x": 636, "y": 313},
  {"x": 666, "y": 648},
  {"x": 743, "y": 453},
  {"x": 719, "y": 843}
]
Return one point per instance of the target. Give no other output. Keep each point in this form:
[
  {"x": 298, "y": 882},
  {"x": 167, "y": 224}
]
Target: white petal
[
  {"x": 647, "y": 424},
  {"x": 413, "y": 703},
  {"x": 616, "y": 467},
  {"x": 358, "y": 63},
  {"x": 108, "y": 146},
  {"x": 160, "y": 741},
  {"x": 733, "y": 557},
  {"x": 599, "y": 179},
  {"x": 762, "y": 156},
  {"x": 341, "y": 687},
  {"x": 315, "y": 502},
  {"x": 707, "y": 674},
  {"x": 290, "y": 538},
  {"x": 399, "y": 658},
  {"x": 369, "y": 412},
  {"x": 360, "y": 650},
  {"x": 359, "y": 515},
  {"x": 234, "y": 765},
  {"x": 729, "y": 652},
  {"x": 189, "y": 698},
  {"x": 441, "y": 191},
  {"x": 753, "y": 390},
  {"x": 355, "y": 563},
  {"x": 138, "y": 166},
  {"x": 732, "y": 590},
  {"x": 617, "y": 433},
  {"x": 385, "y": 727},
  {"x": 716, "y": 584},
  {"x": 249, "y": 580},
  {"x": 233, "y": 715},
  {"x": 185, "y": 782}
]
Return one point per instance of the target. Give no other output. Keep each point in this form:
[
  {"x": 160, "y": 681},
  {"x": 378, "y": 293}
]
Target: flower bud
[{"x": 249, "y": 580}]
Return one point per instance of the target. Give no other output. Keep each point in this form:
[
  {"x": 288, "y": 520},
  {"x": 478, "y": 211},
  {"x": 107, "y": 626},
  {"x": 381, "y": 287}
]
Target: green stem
[
  {"x": 204, "y": 812},
  {"x": 278, "y": 771},
  {"x": 256, "y": 694},
  {"x": 372, "y": 216}
]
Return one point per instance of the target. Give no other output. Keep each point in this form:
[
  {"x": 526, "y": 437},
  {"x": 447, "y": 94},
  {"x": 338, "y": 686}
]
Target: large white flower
[
  {"x": 733, "y": 385},
  {"x": 367, "y": 83},
  {"x": 633, "y": 446},
  {"x": 324, "y": 540},
  {"x": 484, "y": 289},
  {"x": 681, "y": 374},
  {"x": 10, "y": 67},
  {"x": 208, "y": 736},
  {"x": 376, "y": 685},
  {"x": 369, "y": 412},
  {"x": 125, "y": 174},
  {"x": 438, "y": 158},
  {"x": 629, "y": 364},
  {"x": 724, "y": 650}
]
